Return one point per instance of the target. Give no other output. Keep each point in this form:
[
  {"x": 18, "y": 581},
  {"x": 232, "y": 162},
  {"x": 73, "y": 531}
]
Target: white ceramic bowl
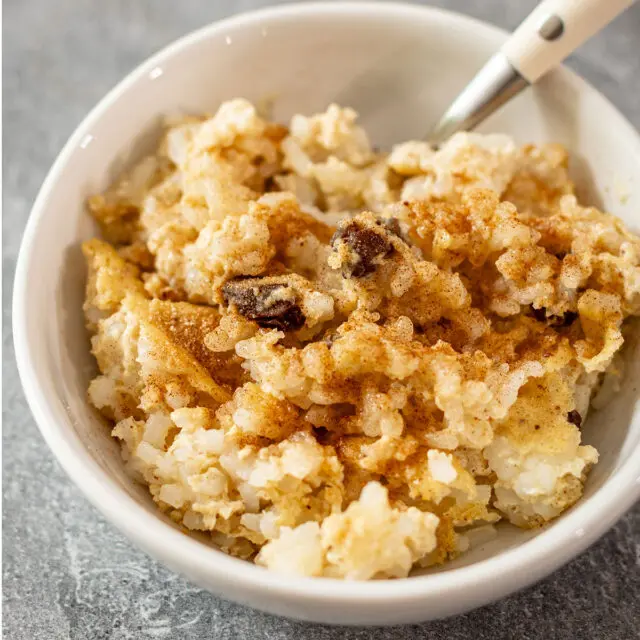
[{"x": 399, "y": 66}]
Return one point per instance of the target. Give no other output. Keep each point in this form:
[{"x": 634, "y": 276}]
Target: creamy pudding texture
[{"x": 345, "y": 363}]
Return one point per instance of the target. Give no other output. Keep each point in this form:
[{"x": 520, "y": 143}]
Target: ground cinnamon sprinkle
[{"x": 338, "y": 361}]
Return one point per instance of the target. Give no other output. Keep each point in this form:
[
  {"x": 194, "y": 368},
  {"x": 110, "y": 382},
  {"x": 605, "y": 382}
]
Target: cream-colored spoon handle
[
  {"x": 548, "y": 35},
  {"x": 554, "y": 29}
]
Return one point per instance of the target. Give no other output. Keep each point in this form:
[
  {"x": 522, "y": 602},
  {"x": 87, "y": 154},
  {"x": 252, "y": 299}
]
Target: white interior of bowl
[{"x": 399, "y": 67}]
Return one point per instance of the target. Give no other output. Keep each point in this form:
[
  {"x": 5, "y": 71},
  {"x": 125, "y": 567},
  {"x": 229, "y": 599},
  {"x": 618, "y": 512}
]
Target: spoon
[{"x": 553, "y": 30}]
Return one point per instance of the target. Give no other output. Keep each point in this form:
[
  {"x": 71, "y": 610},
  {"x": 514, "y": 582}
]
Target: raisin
[
  {"x": 574, "y": 418},
  {"x": 256, "y": 301},
  {"x": 367, "y": 244}
]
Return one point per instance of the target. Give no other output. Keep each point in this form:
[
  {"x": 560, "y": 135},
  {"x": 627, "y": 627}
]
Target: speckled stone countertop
[{"x": 68, "y": 574}]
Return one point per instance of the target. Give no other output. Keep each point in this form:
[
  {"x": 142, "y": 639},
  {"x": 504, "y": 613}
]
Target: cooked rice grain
[{"x": 344, "y": 363}]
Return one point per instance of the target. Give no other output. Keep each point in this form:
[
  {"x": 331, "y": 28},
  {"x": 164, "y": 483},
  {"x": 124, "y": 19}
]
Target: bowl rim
[{"x": 515, "y": 568}]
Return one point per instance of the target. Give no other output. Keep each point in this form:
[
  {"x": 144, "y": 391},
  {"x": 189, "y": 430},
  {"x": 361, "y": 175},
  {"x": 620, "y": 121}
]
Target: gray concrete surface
[{"x": 68, "y": 573}]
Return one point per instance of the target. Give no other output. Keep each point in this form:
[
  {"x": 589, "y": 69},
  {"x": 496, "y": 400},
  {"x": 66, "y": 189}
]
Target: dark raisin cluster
[{"x": 253, "y": 299}]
